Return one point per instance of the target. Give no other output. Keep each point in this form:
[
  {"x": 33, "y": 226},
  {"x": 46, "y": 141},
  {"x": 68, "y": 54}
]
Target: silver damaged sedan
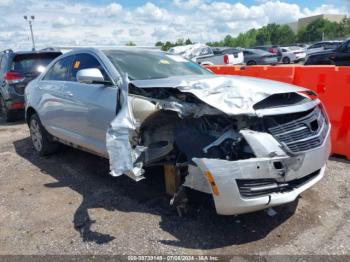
[{"x": 249, "y": 143}]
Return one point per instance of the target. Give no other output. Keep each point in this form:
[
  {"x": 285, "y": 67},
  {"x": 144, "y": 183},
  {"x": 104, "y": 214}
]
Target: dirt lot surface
[{"x": 68, "y": 204}]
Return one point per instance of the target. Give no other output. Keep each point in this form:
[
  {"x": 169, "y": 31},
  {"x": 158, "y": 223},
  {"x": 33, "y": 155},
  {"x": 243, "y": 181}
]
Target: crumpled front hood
[{"x": 232, "y": 95}]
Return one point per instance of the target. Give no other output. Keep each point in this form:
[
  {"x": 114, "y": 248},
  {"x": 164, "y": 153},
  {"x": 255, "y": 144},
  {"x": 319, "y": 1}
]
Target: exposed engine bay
[{"x": 201, "y": 129}]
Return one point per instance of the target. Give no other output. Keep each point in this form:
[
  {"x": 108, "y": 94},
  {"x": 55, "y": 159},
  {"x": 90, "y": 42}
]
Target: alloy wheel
[{"x": 36, "y": 135}]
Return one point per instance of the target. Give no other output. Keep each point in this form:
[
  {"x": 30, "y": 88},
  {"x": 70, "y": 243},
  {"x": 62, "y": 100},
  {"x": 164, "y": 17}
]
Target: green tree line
[{"x": 274, "y": 34}]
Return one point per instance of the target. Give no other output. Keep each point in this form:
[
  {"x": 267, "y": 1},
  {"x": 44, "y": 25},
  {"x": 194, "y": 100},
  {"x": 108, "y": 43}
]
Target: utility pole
[{"x": 30, "y": 20}]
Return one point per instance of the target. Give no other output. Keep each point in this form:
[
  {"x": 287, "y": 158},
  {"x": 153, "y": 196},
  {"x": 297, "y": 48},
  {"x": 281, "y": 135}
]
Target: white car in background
[
  {"x": 292, "y": 54},
  {"x": 204, "y": 55}
]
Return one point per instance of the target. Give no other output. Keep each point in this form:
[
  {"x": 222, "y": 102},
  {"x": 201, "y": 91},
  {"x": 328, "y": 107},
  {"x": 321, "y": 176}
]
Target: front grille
[
  {"x": 262, "y": 187},
  {"x": 301, "y": 134}
]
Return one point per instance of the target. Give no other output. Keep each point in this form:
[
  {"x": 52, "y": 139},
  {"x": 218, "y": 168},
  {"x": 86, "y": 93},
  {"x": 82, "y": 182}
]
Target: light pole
[{"x": 30, "y": 21}]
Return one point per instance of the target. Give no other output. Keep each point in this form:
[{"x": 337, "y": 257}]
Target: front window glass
[{"x": 85, "y": 61}]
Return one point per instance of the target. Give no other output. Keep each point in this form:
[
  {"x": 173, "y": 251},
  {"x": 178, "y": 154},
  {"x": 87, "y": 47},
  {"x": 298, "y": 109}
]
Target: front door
[{"x": 91, "y": 106}]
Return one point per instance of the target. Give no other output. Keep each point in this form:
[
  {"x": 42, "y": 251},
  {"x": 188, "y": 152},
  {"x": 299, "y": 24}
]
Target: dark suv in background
[
  {"x": 17, "y": 69},
  {"x": 339, "y": 56}
]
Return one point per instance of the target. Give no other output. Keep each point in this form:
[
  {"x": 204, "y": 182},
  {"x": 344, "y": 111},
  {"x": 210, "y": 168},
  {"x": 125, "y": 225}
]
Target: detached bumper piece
[
  {"x": 262, "y": 187},
  {"x": 275, "y": 176}
]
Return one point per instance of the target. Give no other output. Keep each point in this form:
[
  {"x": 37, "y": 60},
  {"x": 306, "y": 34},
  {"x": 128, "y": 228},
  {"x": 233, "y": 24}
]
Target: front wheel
[
  {"x": 41, "y": 139},
  {"x": 286, "y": 60}
]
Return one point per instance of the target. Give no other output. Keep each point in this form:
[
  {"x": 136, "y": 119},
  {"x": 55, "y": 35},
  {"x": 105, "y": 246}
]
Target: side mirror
[{"x": 90, "y": 76}]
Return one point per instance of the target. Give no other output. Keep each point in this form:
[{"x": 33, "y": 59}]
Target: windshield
[
  {"x": 32, "y": 63},
  {"x": 141, "y": 64}
]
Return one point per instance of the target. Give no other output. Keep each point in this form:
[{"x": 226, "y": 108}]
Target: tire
[
  {"x": 251, "y": 62},
  {"x": 286, "y": 60},
  {"x": 8, "y": 115},
  {"x": 41, "y": 139}
]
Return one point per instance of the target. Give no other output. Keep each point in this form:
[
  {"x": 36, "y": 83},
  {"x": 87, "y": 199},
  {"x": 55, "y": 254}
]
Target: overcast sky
[{"x": 89, "y": 22}]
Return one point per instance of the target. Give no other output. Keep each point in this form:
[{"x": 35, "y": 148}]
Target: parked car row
[
  {"x": 321, "y": 53},
  {"x": 263, "y": 55},
  {"x": 318, "y": 53},
  {"x": 269, "y": 55}
]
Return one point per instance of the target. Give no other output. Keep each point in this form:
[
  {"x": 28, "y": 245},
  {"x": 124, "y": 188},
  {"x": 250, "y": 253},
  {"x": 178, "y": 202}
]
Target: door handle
[{"x": 68, "y": 94}]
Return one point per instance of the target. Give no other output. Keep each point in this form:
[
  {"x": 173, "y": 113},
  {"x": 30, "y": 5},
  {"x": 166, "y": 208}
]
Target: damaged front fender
[
  {"x": 123, "y": 158},
  {"x": 211, "y": 129}
]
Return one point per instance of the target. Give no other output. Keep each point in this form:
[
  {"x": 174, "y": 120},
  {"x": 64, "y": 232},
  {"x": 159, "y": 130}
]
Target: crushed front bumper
[{"x": 283, "y": 171}]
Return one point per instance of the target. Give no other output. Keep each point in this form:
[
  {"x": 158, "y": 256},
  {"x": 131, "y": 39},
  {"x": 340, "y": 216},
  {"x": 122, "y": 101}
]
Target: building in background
[{"x": 303, "y": 22}]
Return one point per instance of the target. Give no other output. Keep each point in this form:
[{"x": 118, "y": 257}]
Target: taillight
[
  {"x": 13, "y": 77},
  {"x": 226, "y": 59},
  {"x": 17, "y": 106}
]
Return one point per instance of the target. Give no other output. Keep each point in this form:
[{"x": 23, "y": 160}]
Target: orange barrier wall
[{"x": 331, "y": 83}]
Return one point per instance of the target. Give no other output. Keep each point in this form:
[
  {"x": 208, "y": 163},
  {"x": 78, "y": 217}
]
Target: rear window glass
[
  {"x": 258, "y": 52},
  {"x": 32, "y": 63},
  {"x": 316, "y": 46}
]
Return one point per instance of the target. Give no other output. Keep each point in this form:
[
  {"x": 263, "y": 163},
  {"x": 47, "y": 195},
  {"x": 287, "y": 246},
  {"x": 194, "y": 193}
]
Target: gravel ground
[{"x": 68, "y": 204}]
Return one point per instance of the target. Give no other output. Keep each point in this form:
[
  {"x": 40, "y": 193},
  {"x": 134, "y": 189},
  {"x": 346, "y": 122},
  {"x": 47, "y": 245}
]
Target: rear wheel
[
  {"x": 5, "y": 113},
  {"x": 41, "y": 139}
]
